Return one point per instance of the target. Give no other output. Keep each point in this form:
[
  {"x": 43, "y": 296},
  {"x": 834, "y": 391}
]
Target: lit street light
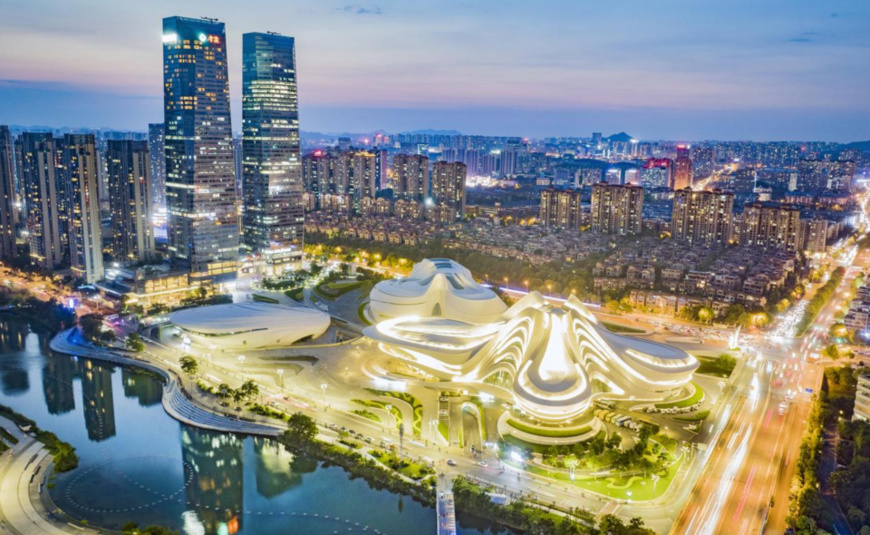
[{"x": 281, "y": 378}]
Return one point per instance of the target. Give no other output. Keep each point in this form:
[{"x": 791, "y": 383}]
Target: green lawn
[
  {"x": 367, "y": 414},
  {"x": 714, "y": 366},
  {"x": 618, "y": 328},
  {"x": 404, "y": 466},
  {"x": 295, "y": 294},
  {"x": 361, "y": 312},
  {"x": 264, "y": 299},
  {"x": 641, "y": 488},
  {"x": 697, "y": 417},
  {"x": 416, "y": 406},
  {"x": 334, "y": 290},
  {"x": 687, "y": 402},
  {"x": 442, "y": 428},
  {"x": 545, "y": 432}
]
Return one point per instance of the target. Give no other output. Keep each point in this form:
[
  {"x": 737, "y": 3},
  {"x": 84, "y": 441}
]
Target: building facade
[
  {"x": 7, "y": 195},
  {"x": 412, "y": 177},
  {"x": 771, "y": 226},
  {"x": 132, "y": 200},
  {"x": 42, "y": 198},
  {"x": 448, "y": 187},
  {"x": 682, "y": 168},
  {"x": 561, "y": 208},
  {"x": 703, "y": 217},
  {"x": 200, "y": 175},
  {"x": 617, "y": 209},
  {"x": 157, "y": 163},
  {"x": 273, "y": 213},
  {"x": 85, "y": 232}
]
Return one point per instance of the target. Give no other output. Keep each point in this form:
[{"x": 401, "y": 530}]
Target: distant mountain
[
  {"x": 620, "y": 137},
  {"x": 863, "y": 146}
]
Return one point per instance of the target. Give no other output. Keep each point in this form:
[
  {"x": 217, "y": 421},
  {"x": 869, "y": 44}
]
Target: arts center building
[{"x": 551, "y": 363}]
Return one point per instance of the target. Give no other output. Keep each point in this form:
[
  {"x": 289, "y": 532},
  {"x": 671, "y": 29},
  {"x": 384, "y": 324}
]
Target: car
[
  {"x": 481, "y": 463},
  {"x": 369, "y": 440},
  {"x": 451, "y": 462}
]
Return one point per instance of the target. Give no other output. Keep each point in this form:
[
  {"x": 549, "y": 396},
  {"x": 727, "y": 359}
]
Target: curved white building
[
  {"x": 552, "y": 361},
  {"x": 438, "y": 288},
  {"x": 251, "y": 325}
]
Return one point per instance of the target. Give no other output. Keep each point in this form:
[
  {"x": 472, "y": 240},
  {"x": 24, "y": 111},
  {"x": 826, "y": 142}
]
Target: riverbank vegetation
[
  {"x": 301, "y": 437},
  {"x": 64, "y": 455}
]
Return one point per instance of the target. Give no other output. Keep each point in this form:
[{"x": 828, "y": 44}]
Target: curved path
[{"x": 176, "y": 401}]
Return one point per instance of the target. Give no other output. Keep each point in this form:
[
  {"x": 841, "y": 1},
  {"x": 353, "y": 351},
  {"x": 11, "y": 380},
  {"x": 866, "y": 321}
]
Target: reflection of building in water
[
  {"x": 216, "y": 490},
  {"x": 57, "y": 384},
  {"x": 277, "y": 469},
  {"x": 13, "y": 374},
  {"x": 97, "y": 400},
  {"x": 13, "y": 335},
  {"x": 147, "y": 389}
]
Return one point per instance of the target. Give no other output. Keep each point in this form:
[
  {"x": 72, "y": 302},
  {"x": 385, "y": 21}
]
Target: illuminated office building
[
  {"x": 200, "y": 175},
  {"x": 273, "y": 218}
]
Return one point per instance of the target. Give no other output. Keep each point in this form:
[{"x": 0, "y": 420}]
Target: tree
[
  {"x": 134, "y": 343},
  {"x": 249, "y": 389},
  {"x": 189, "y": 365},
  {"x": 107, "y": 337},
  {"x": 224, "y": 391},
  {"x": 301, "y": 428},
  {"x": 91, "y": 326}
]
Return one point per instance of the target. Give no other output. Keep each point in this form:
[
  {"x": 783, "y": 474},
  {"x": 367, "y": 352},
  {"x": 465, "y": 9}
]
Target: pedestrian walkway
[
  {"x": 21, "y": 488},
  {"x": 176, "y": 402}
]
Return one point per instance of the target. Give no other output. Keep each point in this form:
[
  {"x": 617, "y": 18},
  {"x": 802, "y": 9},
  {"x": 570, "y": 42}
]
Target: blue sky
[{"x": 677, "y": 69}]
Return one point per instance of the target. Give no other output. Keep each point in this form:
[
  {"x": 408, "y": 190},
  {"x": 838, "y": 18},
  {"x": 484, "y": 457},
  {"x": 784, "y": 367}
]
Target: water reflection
[
  {"x": 97, "y": 400},
  {"x": 142, "y": 387},
  {"x": 216, "y": 492},
  {"x": 57, "y": 385},
  {"x": 277, "y": 470}
]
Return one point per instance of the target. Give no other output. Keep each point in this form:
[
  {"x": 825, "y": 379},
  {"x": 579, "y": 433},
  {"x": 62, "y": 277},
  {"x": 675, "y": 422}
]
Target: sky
[{"x": 657, "y": 69}]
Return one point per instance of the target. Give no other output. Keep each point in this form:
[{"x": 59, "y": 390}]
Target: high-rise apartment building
[
  {"x": 561, "y": 208},
  {"x": 816, "y": 174},
  {"x": 448, "y": 187},
  {"x": 200, "y": 175},
  {"x": 703, "y": 217},
  {"x": 157, "y": 163},
  {"x": 682, "y": 168},
  {"x": 772, "y": 226},
  {"x": 273, "y": 213},
  {"x": 7, "y": 195},
  {"x": 85, "y": 233},
  {"x": 816, "y": 235},
  {"x": 657, "y": 173},
  {"x": 131, "y": 199},
  {"x": 412, "y": 177},
  {"x": 617, "y": 209},
  {"x": 41, "y": 196}
]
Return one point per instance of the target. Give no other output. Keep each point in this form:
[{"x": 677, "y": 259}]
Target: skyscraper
[
  {"x": 85, "y": 234},
  {"x": 703, "y": 217},
  {"x": 156, "y": 143},
  {"x": 682, "y": 168},
  {"x": 200, "y": 175},
  {"x": 42, "y": 200},
  {"x": 448, "y": 187},
  {"x": 617, "y": 209},
  {"x": 131, "y": 198},
  {"x": 7, "y": 196},
  {"x": 412, "y": 177},
  {"x": 272, "y": 186}
]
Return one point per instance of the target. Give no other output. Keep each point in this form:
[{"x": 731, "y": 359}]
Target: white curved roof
[
  {"x": 261, "y": 324},
  {"x": 436, "y": 287}
]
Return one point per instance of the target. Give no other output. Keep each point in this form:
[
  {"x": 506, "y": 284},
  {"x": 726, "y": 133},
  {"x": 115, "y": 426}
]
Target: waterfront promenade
[{"x": 23, "y": 470}]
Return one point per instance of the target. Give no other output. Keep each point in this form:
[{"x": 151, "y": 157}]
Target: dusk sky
[{"x": 766, "y": 70}]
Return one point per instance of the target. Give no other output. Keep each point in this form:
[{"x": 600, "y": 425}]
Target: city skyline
[{"x": 773, "y": 71}]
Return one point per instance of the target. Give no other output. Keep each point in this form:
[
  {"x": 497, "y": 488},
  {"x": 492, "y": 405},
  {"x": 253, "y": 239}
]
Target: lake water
[{"x": 139, "y": 465}]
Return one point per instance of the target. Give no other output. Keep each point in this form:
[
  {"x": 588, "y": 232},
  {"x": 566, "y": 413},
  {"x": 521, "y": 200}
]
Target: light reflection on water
[{"x": 139, "y": 465}]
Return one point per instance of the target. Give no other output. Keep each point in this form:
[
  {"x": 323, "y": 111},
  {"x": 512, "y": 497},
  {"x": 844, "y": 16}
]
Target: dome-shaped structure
[
  {"x": 438, "y": 288},
  {"x": 251, "y": 325}
]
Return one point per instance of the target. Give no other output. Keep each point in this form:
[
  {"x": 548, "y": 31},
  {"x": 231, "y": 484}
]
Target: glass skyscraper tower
[
  {"x": 272, "y": 224},
  {"x": 200, "y": 181}
]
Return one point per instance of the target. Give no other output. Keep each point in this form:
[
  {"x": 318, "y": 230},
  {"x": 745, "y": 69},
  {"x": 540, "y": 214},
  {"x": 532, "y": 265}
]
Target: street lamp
[
  {"x": 281, "y": 378},
  {"x": 241, "y": 360},
  {"x": 323, "y": 390}
]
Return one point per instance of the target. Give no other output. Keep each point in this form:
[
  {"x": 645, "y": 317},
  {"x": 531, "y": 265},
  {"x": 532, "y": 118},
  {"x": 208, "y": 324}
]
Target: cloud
[
  {"x": 358, "y": 9},
  {"x": 805, "y": 37}
]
